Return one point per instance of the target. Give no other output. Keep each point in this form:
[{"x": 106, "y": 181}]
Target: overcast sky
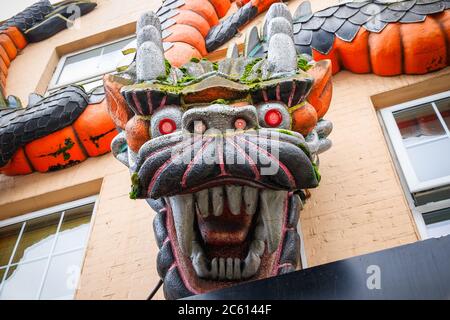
[{"x": 11, "y": 7}]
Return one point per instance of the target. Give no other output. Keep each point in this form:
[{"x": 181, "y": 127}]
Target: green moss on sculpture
[
  {"x": 134, "y": 186},
  {"x": 248, "y": 71},
  {"x": 220, "y": 101},
  {"x": 303, "y": 63}
]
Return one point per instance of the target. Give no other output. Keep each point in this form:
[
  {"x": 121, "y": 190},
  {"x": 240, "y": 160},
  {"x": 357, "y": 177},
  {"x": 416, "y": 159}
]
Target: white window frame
[
  {"x": 45, "y": 212},
  {"x": 81, "y": 80},
  {"x": 395, "y": 137},
  {"x": 389, "y": 127}
]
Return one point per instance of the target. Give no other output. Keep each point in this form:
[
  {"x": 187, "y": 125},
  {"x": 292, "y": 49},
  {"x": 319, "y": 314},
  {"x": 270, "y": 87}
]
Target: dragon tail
[
  {"x": 192, "y": 28},
  {"x": 413, "y": 48},
  {"x": 385, "y": 38}
]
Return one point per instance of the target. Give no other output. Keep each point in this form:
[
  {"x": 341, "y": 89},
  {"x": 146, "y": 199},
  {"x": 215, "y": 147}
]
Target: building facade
[{"x": 377, "y": 191}]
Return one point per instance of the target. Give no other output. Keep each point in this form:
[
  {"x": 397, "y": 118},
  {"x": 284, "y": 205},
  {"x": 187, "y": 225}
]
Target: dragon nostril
[
  {"x": 167, "y": 126},
  {"x": 199, "y": 127},
  {"x": 273, "y": 118},
  {"x": 219, "y": 118},
  {"x": 240, "y": 124}
]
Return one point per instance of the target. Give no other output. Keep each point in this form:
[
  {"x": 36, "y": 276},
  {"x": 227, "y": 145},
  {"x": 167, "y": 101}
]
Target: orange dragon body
[{"x": 58, "y": 131}]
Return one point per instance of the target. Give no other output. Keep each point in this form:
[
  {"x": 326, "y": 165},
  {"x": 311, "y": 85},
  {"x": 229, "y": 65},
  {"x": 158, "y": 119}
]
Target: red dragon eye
[
  {"x": 240, "y": 124},
  {"x": 273, "y": 118},
  {"x": 167, "y": 126}
]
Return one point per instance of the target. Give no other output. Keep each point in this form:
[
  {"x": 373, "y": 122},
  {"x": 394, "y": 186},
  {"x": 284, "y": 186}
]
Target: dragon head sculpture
[{"x": 223, "y": 152}]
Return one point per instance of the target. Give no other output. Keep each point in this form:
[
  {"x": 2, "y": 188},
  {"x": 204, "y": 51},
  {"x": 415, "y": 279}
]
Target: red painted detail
[
  {"x": 240, "y": 124},
  {"x": 273, "y": 118},
  {"x": 167, "y": 126}
]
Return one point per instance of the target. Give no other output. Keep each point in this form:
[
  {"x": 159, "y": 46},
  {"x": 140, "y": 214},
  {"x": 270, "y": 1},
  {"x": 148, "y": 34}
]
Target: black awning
[{"x": 416, "y": 271}]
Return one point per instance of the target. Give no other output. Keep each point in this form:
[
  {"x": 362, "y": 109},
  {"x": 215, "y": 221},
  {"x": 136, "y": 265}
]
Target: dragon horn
[
  {"x": 276, "y": 10},
  {"x": 150, "y": 53},
  {"x": 148, "y": 19},
  {"x": 282, "y": 55},
  {"x": 233, "y": 51},
  {"x": 252, "y": 40},
  {"x": 279, "y": 25}
]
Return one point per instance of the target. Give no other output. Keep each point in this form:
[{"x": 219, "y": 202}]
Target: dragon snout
[{"x": 220, "y": 117}]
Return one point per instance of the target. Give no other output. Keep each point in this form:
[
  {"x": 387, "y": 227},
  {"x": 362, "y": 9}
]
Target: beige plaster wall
[{"x": 358, "y": 208}]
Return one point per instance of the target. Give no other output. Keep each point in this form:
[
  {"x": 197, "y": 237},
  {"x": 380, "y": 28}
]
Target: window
[
  {"x": 419, "y": 136},
  {"x": 41, "y": 253},
  {"x": 438, "y": 222},
  {"x": 88, "y": 66}
]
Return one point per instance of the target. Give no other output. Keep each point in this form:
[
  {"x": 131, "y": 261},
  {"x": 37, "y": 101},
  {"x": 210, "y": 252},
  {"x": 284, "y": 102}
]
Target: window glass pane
[
  {"x": 425, "y": 140},
  {"x": 438, "y": 229},
  {"x": 8, "y": 238},
  {"x": 79, "y": 66},
  {"x": 40, "y": 247},
  {"x": 92, "y": 63},
  {"x": 127, "y": 58},
  {"x": 431, "y": 160},
  {"x": 111, "y": 56},
  {"x": 37, "y": 238},
  {"x": 438, "y": 222},
  {"x": 62, "y": 277},
  {"x": 418, "y": 124},
  {"x": 444, "y": 108},
  {"x": 23, "y": 281},
  {"x": 74, "y": 228}
]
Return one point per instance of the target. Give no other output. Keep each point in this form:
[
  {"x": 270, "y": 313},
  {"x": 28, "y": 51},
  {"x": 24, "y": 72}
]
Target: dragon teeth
[
  {"x": 237, "y": 269},
  {"x": 260, "y": 230},
  {"x": 227, "y": 268},
  {"x": 199, "y": 260},
  {"x": 234, "y": 195},
  {"x": 268, "y": 229},
  {"x": 251, "y": 265},
  {"x": 217, "y": 201},
  {"x": 222, "y": 269},
  {"x": 202, "y": 199},
  {"x": 272, "y": 209},
  {"x": 229, "y": 272},
  {"x": 257, "y": 246},
  {"x": 250, "y": 196},
  {"x": 183, "y": 218},
  {"x": 214, "y": 268}
]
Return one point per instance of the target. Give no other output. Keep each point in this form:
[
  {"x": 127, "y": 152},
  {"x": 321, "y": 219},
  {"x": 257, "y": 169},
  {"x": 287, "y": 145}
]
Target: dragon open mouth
[
  {"x": 225, "y": 221},
  {"x": 227, "y": 231},
  {"x": 207, "y": 251}
]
